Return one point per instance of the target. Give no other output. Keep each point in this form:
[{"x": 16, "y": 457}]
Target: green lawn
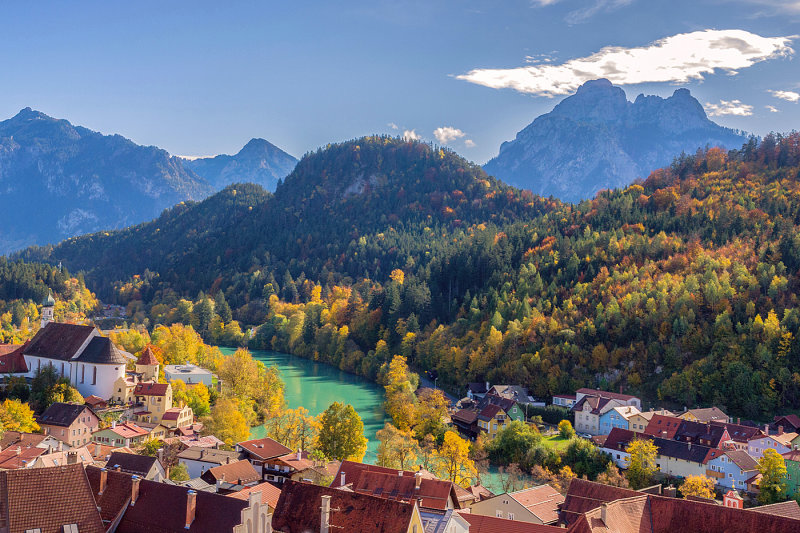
[{"x": 556, "y": 442}]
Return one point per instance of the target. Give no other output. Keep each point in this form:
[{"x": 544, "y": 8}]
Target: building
[
  {"x": 304, "y": 508},
  {"x": 140, "y": 505},
  {"x": 616, "y": 417},
  {"x": 189, "y": 374},
  {"x": 740, "y": 435},
  {"x": 792, "y": 461},
  {"x": 91, "y": 362},
  {"x": 270, "y": 494},
  {"x": 70, "y": 457},
  {"x": 624, "y": 399},
  {"x": 536, "y": 505},
  {"x": 17, "y": 457},
  {"x": 38, "y": 440},
  {"x": 430, "y": 494},
  {"x": 144, "y": 466},
  {"x": 198, "y": 460},
  {"x": 12, "y": 360},
  {"x": 147, "y": 365},
  {"x": 48, "y": 500},
  {"x": 589, "y": 409},
  {"x": 790, "y": 423},
  {"x": 491, "y": 414},
  {"x": 704, "y": 415},
  {"x": 638, "y": 422},
  {"x": 512, "y": 392},
  {"x": 70, "y": 423},
  {"x": 781, "y": 443},
  {"x": 466, "y": 422},
  {"x": 178, "y": 417},
  {"x": 263, "y": 454},
  {"x": 732, "y": 469},
  {"x": 154, "y": 398},
  {"x": 565, "y": 400},
  {"x": 663, "y": 426},
  {"x": 118, "y": 435},
  {"x": 489, "y": 524},
  {"x": 476, "y": 391},
  {"x": 237, "y": 472}
]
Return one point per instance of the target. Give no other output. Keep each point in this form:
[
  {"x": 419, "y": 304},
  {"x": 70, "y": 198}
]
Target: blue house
[
  {"x": 732, "y": 469},
  {"x": 616, "y": 417}
]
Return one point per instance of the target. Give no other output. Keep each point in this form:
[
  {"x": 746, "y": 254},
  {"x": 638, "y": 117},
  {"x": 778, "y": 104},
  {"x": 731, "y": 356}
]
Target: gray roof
[
  {"x": 62, "y": 414},
  {"x": 131, "y": 463},
  {"x": 101, "y": 350},
  {"x": 209, "y": 455}
]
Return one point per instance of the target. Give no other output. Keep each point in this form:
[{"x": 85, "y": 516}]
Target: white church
[{"x": 90, "y": 361}]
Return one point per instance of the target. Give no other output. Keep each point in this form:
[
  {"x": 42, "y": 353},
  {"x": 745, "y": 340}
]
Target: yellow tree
[
  {"x": 295, "y": 429},
  {"x": 772, "y": 487},
  {"x": 17, "y": 416},
  {"x": 259, "y": 389},
  {"x": 226, "y": 422},
  {"x": 400, "y": 399},
  {"x": 341, "y": 433},
  {"x": 642, "y": 465},
  {"x": 452, "y": 460},
  {"x": 430, "y": 413},
  {"x": 700, "y": 486},
  {"x": 397, "y": 449}
]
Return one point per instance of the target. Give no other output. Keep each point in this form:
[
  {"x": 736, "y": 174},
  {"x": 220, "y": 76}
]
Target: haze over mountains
[
  {"x": 596, "y": 139},
  {"x": 58, "y": 180}
]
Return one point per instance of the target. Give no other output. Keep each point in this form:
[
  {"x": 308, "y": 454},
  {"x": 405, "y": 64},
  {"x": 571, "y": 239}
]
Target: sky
[{"x": 202, "y": 78}]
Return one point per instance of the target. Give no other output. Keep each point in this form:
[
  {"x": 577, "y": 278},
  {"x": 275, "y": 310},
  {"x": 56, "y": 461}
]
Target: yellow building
[
  {"x": 147, "y": 365},
  {"x": 154, "y": 400},
  {"x": 178, "y": 417}
]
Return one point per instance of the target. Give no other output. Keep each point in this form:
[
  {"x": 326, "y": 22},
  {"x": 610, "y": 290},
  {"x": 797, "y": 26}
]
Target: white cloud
[
  {"x": 789, "y": 96},
  {"x": 729, "y": 107},
  {"x": 773, "y": 6},
  {"x": 446, "y": 134},
  {"x": 678, "y": 58},
  {"x": 411, "y": 135},
  {"x": 469, "y": 143},
  {"x": 585, "y": 13},
  {"x": 393, "y": 126},
  {"x": 541, "y": 3},
  {"x": 772, "y": 108}
]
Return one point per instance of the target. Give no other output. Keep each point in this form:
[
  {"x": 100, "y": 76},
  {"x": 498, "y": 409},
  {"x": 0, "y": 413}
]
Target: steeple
[
  {"x": 48, "y": 307},
  {"x": 148, "y": 364}
]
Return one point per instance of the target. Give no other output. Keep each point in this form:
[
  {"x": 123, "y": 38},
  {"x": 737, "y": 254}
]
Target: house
[
  {"x": 263, "y": 454},
  {"x": 293, "y": 464},
  {"x": 189, "y": 374},
  {"x": 512, "y": 392},
  {"x": 95, "y": 402},
  {"x": 147, "y": 365},
  {"x": 236, "y": 472},
  {"x": 790, "y": 423},
  {"x": 593, "y": 508},
  {"x": 124, "y": 386},
  {"x": 197, "y": 460},
  {"x": 319, "y": 474},
  {"x": 466, "y": 422},
  {"x": 48, "y": 500},
  {"x": 178, "y": 417},
  {"x": 624, "y": 399},
  {"x": 536, "y": 505},
  {"x": 616, "y": 417},
  {"x": 431, "y": 494},
  {"x": 144, "y": 466},
  {"x": 638, "y": 422},
  {"x": 476, "y": 391},
  {"x": 490, "y": 524},
  {"x": 154, "y": 430},
  {"x": 17, "y": 456},
  {"x": 12, "y": 360},
  {"x": 495, "y": 412},
  {"x": 306, "y": 508},
  {"x": 663, "y": 426},
  {"x": 451, "y": 521},
  {"x": 141, "y": 505},
  {"x": 127, "y": 434},
  {"x": 792, "y": 461},
  {"x": 154, "y": 398},
  {"x": 26, "y": 440},
  {"x": 704, "y": 415},
  {"x": 589, "y": 409},
  {"x": 91, "y": 362},
  {"x": 732, "y": 469},
  {"x": 740, "y": 435},
  {"x": 704, "y": 434},
  {"x": 70, "y": 423},
  {"x": 102, "y": 452},
  {"x": 71, "y": 457},
  {"x": 565, "y": 400},
  {"x": 781, "y": 443}
]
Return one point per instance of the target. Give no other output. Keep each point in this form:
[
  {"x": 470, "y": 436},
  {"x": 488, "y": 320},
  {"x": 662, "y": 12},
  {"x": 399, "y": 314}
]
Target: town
[{"x": 130, "y": 458}]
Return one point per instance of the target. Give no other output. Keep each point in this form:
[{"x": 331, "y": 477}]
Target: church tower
[
  {"x": 148, "y": 365},
  {"x": 48, "y": 307}
]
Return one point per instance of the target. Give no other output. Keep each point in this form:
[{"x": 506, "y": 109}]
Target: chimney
[
  {"x": 342, "y": 483},
  {"x": 417, "y": 480},
  {"x": 780, "y": 430},
  {"x": 103, "y": 480},
  {"x": 219, "y": 483},
  {"x": 135, "y": 488},
  {"x": 325, "y": 514},
  {"x": 766, "y": 429},
  {"x": 113, "y": 424},
  {"x": 603, "y": 511},
  {"x": 487, "y": 386},
  {"x": 400, "y": 473},
  {"x": 191, "y": 507},
  {"x": 72, "y": 458},
  {"x": 738, "y": 420},
  {"x": 299, "y": 454},
  {"x": 97, "y": 449},
  {"x": 160, "y": 454}
]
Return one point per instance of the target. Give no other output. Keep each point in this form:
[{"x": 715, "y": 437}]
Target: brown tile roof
[
  {"x": 606, "y": 394},
  {"x": 788, "y": 509},
  {"x": 172, "y": 414},
  {"x": 94, "y": 401},
  {"x": 161, "y": 507},
  {"x": 24, "y": 439},
  {"x": 239, "y": 472},
  {"x": 432, "y": 493},
  {"x": 63, "y": 414},
  {"x": 543, "y": 501},
  {"x": 75, "y": 455},
  {"x": 742, "y": 459},
  {"x": 792, "y": 455},
  {"x": 101, "y": 351},
  {"x": 298, "y": 511},
  {"x": 597, "y": 403},
  {"x": 48, "y": 499},
  {"x": 467, "y": 416},
  {"x": 101, "y": 451},
  {"x": 59, "y": 341},
  {"x": 265, "y": 448},
  {"x": 705, "y": 434},
  {"x": 147, "y": 358},
  {"x": 209, "y": 455},
  {"x": 150, "y": 389},
  {"x": 663, "y": 426},
  {"x": 131, "y": 463},
  {"x": 584, "y": 496},
  {"x": 790, "y": 422},
  {"x": 269, "y": 493},
  {"x": 11, "y": 359},
  {"x": 739, "y": 433},
  {"x": 291, "y": 460},
  {"x": 707, "y": 414},
  {"x": 17, "y": 456},
  {"x": 490, "y": 524},
  {"x": 353, "y": 471}
]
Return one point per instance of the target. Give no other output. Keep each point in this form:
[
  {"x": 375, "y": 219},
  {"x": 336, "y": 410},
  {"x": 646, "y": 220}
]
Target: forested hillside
[{"x": 681, "y": 288}]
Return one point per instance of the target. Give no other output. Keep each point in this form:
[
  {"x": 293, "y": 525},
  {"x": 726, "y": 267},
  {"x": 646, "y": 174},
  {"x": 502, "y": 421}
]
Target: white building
[
  {"x": 91, "y": 362},
  {"x": 189, "y": 374}
]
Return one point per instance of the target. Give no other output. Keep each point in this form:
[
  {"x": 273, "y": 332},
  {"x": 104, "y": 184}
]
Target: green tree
[
  {"x": 294, "y": 428},
  {"x": 772, "y": 487},
  {"x": 341, "y": 433},
  {"x": 179, "y": 473},
  {"x": 396, "y": 449},
  {"x": 565, "y": 429},
  {"x": 47, "y": 388},
  {"x": 222, "y": 308},
  {"x": 642, "y": 467},
  {"x": 512, "y": 443}
]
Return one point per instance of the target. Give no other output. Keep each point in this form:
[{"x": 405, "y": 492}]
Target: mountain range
[
  {"x": 597, "y": 139},
  {"x": 58, "y": 180}
]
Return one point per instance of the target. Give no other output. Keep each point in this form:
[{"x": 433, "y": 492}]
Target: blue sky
[{"x": 201, "y": 78}]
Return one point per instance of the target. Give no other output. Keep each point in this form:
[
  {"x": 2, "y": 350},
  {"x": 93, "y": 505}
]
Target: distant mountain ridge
[
  {"x": 259, "y": 161},
  {"x": 596, "y": 139},
  {"x": 58, "y": 180}
]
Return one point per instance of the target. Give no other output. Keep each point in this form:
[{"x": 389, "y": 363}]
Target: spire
[
  {"x": 47, "y": 309},
  {"x": 147, "y": 357},
  {"x": 49, "y": 301}
]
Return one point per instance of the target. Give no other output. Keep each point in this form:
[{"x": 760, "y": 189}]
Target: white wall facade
[{"x": 88, "y": 378}]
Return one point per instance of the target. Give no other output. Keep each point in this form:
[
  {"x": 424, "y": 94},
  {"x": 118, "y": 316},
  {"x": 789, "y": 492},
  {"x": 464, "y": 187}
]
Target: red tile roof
[
  {"x": 11, "y": 359},
  {"x": 48, "y": 499},
  {"x": 490, "y": 524},
  {"x": 150, "y": 389},
  {"x": 663, "y": 426},
  {"x": 291, "y": 460},
  {"x": 298, "y": 511},
  {"x": 128, "y": 430},
  {"x": 147, "y": 357},
  {"x": 270, "y": 494},
  {"x": 265, "y": 448},
  {"x": 788, "y": 509},
  {"x": 584, "y": 496},
  {"x": 94, "y": 401},
  {"x": 23, "y": 439},
  {"x": 59, "y": 341},
  {"x": 606, "y": 394},
  {"x": 432, "y": 493},
  {"x": 238, "y": 472},
  {"x": 17, "y": 456},
  {"x": 353, "y": 471},
  {"x": 543, "y": 501}
]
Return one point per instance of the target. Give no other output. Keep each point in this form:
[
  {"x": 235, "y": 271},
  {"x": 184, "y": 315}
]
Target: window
[
  {"x": 83, "y": 372},
  {"x": 71, "y": 528},
  {"x": 35, "y": 530},
  {"x": 498, "y": 513},
  {"x": 511, "y": 516},
  {"x": 94, "y": 375}
]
